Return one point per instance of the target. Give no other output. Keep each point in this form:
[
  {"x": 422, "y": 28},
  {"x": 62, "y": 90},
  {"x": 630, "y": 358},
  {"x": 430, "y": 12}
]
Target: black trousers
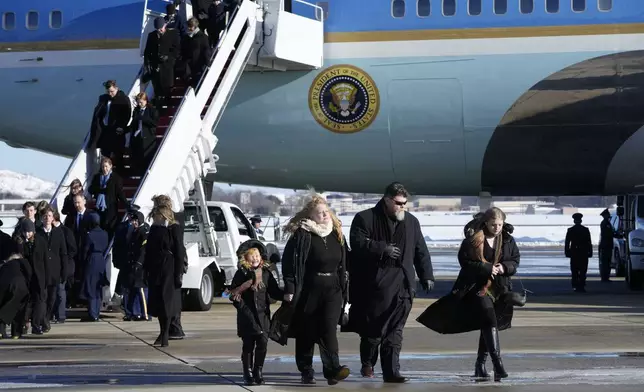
[
  {"x": 50, "y": 301},
  {"x": 38, "y": 310},
  {"x": 605, "y": 257},
  {"x": 318, "y": 323},
  {"x": 19, "y": 321},
  {"x": 578, "y": 270},
  {"x": 390, "y": 342}
]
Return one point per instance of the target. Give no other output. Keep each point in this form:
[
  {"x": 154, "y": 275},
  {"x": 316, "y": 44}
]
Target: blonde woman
[
  {"x": 163, "y": 265},
  {"x": 313, "y": 266}
]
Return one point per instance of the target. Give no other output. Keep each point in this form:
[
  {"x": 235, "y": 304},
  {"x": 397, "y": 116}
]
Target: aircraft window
[
  {"x": 527, "y": 6},
  {"x": 449, "y": 7},
  {"x": 32, "y": 20},
  {"x": 55, "y": 19},
  {"x": 605, "y": 5},
  {"x": 9, "y": 21},
  {"x": 500, "y": 7},
  {"x": 579, "y": 5},
  {"x": 423, "y": 8},
  {"x": 325, "y": 10},
  {"x": 552, "y": 6},
  {"x": 474, "y": 7},
  {"x": 398, "y": 8}
]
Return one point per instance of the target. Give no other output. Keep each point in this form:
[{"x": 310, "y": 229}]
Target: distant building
[{"x": 423, "y": 203}]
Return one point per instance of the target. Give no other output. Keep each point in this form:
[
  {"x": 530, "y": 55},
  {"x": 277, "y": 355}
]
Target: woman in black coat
[
  {"x": 107, "y": 189},
  {"x": 34, "y": 249},
  {"x": 481, "y": 297},
  {"x": 15, "y": 279},
  {"x": 163, "y": 265},
  {"x": 143, "y": 133},
  {"x": 251, "y": 290},
  {"x": 313, "y": 267}
]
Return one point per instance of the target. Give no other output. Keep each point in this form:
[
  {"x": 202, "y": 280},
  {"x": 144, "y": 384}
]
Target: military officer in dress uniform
[{"x": 579, "y": 249}]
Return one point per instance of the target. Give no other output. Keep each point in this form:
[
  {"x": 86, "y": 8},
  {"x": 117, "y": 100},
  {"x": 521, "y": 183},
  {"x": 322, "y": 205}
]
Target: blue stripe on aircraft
[{"x": 122, "y": 20}]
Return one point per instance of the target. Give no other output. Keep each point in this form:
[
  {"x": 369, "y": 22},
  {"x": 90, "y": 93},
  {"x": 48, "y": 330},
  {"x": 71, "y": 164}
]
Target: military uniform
[
  {"x": 605, "y": 246},
  {"x": 579, "y": 249}
]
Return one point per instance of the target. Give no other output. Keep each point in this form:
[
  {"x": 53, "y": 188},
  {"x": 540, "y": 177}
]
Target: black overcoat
[
  {"x": 144, "y": 144},
  {"x": 253, "y": 309},
  {"x": 36, "y": 252},
  {"x": 104, "y": 136},
  {"x": 370, "y": 299},
  {"x": 15, "y": 277},
  {"x": 294, "y": 259},
  {"x": 161, "y": 53},
  {"x": 163, "y": 265},
  {"x": 453, "y": 313},
  {"x": 113, "y": 192},
  {"x": 56, "y": 264}
]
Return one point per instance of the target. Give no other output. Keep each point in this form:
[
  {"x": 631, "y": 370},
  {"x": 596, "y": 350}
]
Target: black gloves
[
  {"x": 427, "y": 285},
  {"x": 392, "y": 251},
  {"x": 178, "y": 281}
]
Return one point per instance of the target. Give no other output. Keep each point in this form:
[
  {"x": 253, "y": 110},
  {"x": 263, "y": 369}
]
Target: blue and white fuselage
[{"x": 514, "y": 102}]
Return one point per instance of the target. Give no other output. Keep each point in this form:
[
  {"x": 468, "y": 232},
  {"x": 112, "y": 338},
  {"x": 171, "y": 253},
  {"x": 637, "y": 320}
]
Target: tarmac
[{"x": 560, "y": 341}]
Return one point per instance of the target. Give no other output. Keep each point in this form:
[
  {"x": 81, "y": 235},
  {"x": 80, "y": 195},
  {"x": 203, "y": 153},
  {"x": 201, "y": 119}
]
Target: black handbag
[{"x": 516, "y": 298}]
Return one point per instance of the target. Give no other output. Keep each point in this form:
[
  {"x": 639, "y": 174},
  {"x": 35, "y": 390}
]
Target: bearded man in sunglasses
[{"x": 387, "y": 245}]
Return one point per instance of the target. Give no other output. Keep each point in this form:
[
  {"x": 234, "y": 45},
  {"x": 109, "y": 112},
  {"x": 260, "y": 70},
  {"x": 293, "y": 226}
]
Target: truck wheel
[
  {"x": 620, "y": 270},
  {"x": 201, "y": 299}
]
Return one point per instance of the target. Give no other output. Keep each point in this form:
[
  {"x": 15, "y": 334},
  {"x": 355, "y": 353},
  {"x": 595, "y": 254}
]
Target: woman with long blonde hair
[
  {"x": 163, "y": 264},
  {"x": 313, "y": 267}
]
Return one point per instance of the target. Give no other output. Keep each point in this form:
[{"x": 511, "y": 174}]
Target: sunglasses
[{"x": 399, "y": 203}]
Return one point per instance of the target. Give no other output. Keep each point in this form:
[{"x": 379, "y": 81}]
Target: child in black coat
[{"x": 251, "y": 289}]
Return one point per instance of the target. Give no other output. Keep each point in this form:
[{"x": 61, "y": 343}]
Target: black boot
[
  {"x": 491, "y": 336},
  {"x": 247, "y": 363},
  {"x": 479, "y": 366},
  {"x": 260, "y": 356}
]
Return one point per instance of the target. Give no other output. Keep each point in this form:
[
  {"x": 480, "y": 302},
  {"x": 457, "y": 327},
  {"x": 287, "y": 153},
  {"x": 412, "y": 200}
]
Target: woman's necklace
[{"x": 324, "y": 240}]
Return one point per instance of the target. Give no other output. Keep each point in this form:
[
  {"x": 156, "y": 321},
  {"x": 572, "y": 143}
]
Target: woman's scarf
[
  {"x": 321, "y": 230},
  {"x": 100, "y": 200}
]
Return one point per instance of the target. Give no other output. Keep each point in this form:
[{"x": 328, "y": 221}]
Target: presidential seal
[{"x": 344, "y": 99}]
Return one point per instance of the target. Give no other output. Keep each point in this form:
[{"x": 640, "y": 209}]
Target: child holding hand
[{"x": 250, "y": 291}]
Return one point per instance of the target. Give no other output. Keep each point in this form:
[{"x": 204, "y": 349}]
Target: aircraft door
[{"x": 426, "y": 131}]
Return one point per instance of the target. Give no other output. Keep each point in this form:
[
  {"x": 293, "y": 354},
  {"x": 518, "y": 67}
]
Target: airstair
[{"x": 185, "y": 132}]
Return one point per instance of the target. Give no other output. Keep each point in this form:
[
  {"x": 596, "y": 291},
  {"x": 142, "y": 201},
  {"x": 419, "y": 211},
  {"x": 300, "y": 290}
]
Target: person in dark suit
[
  {"x": 136, "y": 297},
  {"x": 109, "y": 122},
  {"x": 107, "y": 189},
  {"x": 67, "y": 279},
  {"x": 196, "y": 52},
  {"x": 216, "y": 22},
  {"x": 33, "y": 248},
  {"x": 174, "y": 20},
  {"x": 79, "y": 225},
  {"x": 579, "y": 248},
  {"x": 95, "y": 270},
  {"x": 143, "y": 133},
  {"x": 162, "y": 49},
  {"x": 605, "y": 247},
  {"x": 389, "y": 250},
  {"x": 55, "y": 266}
]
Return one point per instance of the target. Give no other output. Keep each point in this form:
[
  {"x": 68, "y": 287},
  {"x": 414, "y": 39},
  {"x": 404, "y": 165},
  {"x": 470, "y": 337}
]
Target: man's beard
[{"x": 399, "y": 216}]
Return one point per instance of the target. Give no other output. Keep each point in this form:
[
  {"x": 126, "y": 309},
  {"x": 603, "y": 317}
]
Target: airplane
[{"x": 450, "y": 97}]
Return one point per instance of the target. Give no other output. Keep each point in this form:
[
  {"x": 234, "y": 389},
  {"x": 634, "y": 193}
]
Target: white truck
[
  {"x": 630, "y": 210},
  {"x": 211, "y": 239}
]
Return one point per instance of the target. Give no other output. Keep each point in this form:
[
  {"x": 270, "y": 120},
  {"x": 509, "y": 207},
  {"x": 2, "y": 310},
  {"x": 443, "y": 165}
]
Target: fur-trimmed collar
[{"x": 315, "y": 228}]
